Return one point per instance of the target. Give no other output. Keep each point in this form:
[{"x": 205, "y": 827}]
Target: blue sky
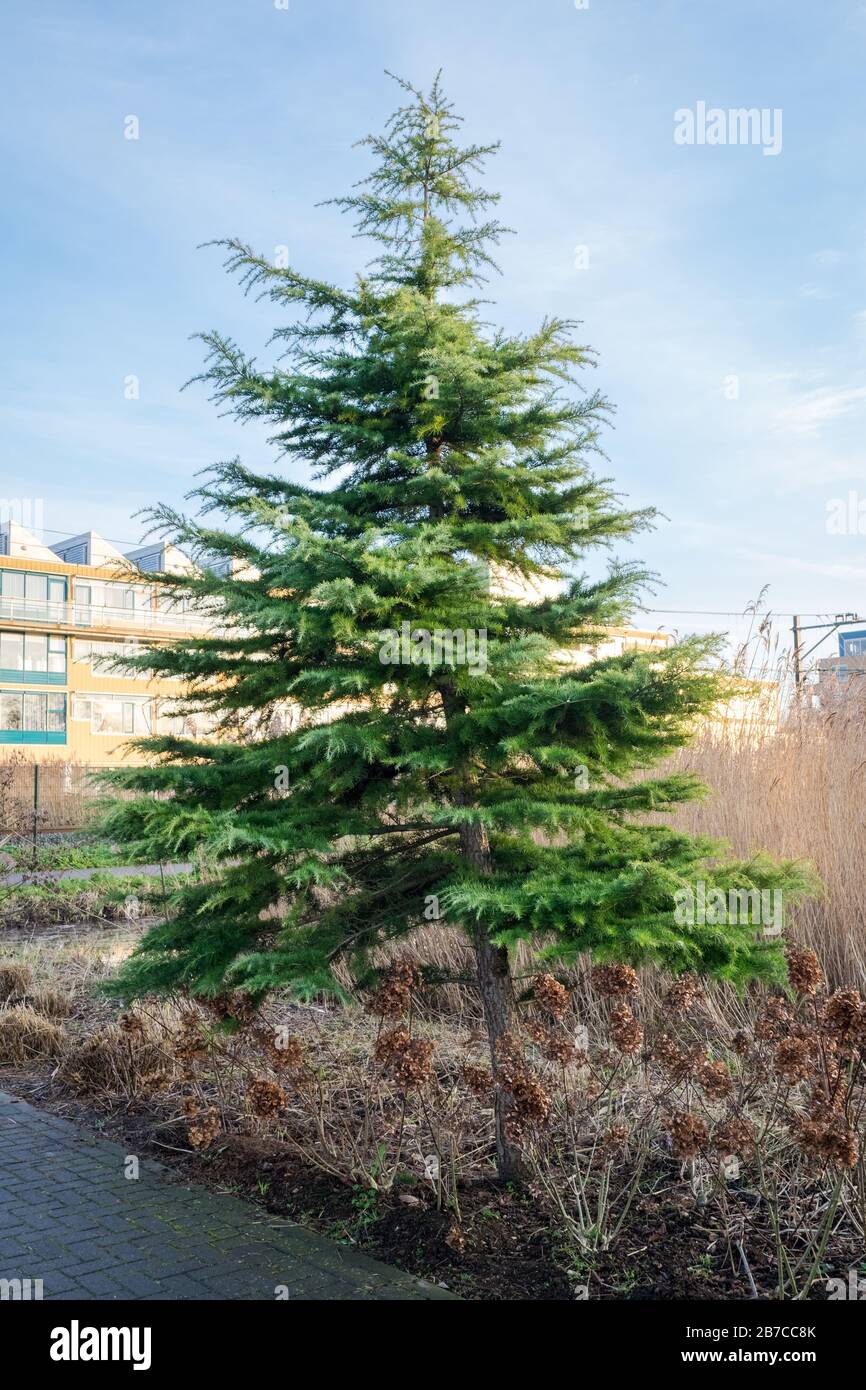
[{"x": 705, "y": 263}]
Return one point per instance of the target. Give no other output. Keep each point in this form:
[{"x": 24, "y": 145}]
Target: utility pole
[{"x": 797, "y": 668}]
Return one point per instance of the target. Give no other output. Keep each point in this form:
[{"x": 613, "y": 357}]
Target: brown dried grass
[
  {"x": 115, "y": 1063},
  {"x": 27, "y": 1036},
  {"x": 798, "y": 791},
  {"x": 15, "y": 979}
]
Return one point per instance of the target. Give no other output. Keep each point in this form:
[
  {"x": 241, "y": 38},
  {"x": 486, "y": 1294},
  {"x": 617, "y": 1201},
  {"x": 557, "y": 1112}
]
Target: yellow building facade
[
  {"x": 67, "y": 612},
  {"x": 70, "y": 611}
]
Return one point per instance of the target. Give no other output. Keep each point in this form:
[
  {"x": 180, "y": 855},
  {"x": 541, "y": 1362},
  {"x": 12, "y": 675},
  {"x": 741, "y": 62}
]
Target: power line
[
  {"x": 675, "y": 612},
  {"x": 738, "y": 613},
  {"x": 52, "y": 531}
]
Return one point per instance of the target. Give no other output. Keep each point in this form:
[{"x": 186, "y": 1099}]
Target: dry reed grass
[
  {"x": 26, "y": 1036},
  {"x": 15, "y": 979},
  {"x": 51, "y": 1003},
  {"x": 114, "y": 1062},
  {"x": 798, "y": 791}
]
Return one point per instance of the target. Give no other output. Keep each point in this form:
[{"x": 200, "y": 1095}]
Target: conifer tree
[{"x": 448, "y": 762}]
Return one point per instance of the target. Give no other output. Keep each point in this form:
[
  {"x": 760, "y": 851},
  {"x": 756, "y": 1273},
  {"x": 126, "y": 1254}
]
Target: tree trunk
[
  {"x": 497, "y": 996},
  {"x": 494, "y": 978}
]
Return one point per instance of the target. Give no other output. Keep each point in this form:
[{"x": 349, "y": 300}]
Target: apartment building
[
  {"x": 67, "y": 612},
  {"x": 841, "y": 675}
]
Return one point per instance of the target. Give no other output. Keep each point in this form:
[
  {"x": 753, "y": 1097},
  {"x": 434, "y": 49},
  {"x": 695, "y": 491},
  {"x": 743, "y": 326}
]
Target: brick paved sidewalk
[{"x": 69, "y": 1217}]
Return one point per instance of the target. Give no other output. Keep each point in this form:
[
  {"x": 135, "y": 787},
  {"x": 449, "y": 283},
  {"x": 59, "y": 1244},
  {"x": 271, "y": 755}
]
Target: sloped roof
[{"x": 16, "y": 541}]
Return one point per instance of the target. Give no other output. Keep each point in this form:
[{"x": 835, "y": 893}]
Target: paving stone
[{"x": 70, "y": 1217}]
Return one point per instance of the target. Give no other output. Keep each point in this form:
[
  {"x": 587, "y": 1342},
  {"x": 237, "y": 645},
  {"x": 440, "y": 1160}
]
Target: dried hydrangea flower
[
  {"x": 560, "y": 1050},
  {"x": 414, "y": 1066},
  {"x": 285, "y": 1051},
  {"x": 238, "y": 1007},
  {"x": 830, "y": 1140},
  {"x": 478, "y": 1080},
  {"x": 407, "y": 1059},
  {"x": 625, "y": 1031},
  {"x": 774, "y": 1020},
  {"x": 681, "y": 1062},
  {"x": 667, "y": 1051},
  {"x": 265, "y": 1098},
  {"x": 844, "y": 1017},
  {"x": 530, "y": 1103},
  {"x": 536, "y": 1031},
  {"x": 714, "y": 1078},
  {"x": 615, "y": 981},
  {"x": 794, "y": 1059},
  {"x": 188, "y": 1044},
  {"x": 688, "y": 1135},
  {"x": 201, "y": 1129},
  {"x": 683, "y": 994},
  {"x": 551, "y": 996},
  {"x": 804, "y": 970},
  {"x": 394, "y": 995},
  {"x": 132, "y": 1024},
  {"x": 613, "y": 1140},
  {"x": 556, "y": 1047},
  {"x": 733, "y": 1136},
  {"x": 390, "y": 1044}
]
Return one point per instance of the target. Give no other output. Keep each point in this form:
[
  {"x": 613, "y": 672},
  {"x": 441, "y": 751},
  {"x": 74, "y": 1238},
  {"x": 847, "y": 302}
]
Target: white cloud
[{"x": 815, "y": 408}]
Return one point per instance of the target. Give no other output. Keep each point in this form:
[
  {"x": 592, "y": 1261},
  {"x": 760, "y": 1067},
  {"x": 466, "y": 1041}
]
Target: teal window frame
[
  {"x": 41, "y": 716},
  {"x": 46, "y": 667},
  {"x": 30, "y": 583}
]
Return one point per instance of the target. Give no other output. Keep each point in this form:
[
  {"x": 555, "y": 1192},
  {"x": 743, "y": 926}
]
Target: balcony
[
  {"x": 33, "y": 610},
  {"x": 92, "y": 617},
  {"x": 85, "y": 615}
]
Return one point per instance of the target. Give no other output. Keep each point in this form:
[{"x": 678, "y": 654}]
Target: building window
[
  {"x": 112, "y": 714},
  {"x": 28, "y": 717},
  {"x": 126, "y": 597},
  {"x": 35, "y": 654},
  {"x": 55, "y": 706},
  {"x": 35, "y": 713},
  {"x": 33, "y": 588},
  {"x": 12, "y": 651},
  {"x": 57, "y": 655},
  {"x": 196, "y": 724},
  {"x": 101, "y": 655},
  {"x": 11, "y": 711},
  {"x": 12, "y": 583}
]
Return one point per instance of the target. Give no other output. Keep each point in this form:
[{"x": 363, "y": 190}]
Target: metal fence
[{"x": 38, "y": 797}]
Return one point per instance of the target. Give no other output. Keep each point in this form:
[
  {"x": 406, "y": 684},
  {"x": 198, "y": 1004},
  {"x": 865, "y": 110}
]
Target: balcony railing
[
  {"x": 35, "y": 610},
  {"x": 138, "y": 619},
  {"x": 95, "y": 616}
]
